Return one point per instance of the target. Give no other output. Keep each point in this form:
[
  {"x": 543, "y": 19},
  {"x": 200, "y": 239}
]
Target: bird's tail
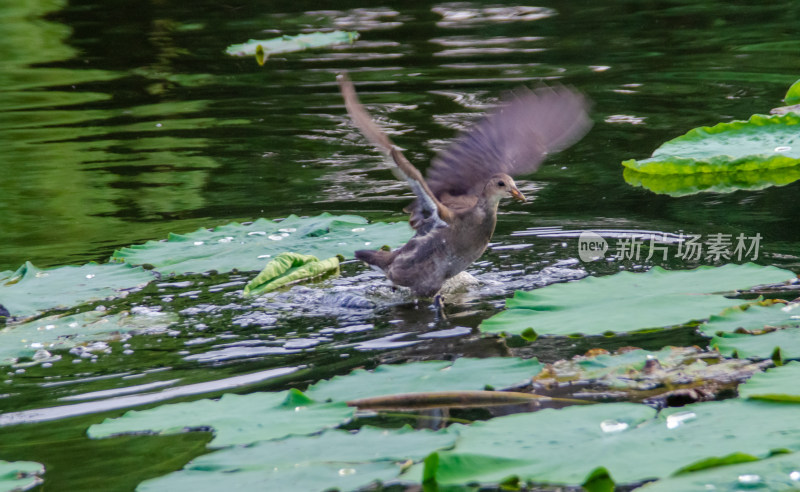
[{"x": 380, "y": 259}]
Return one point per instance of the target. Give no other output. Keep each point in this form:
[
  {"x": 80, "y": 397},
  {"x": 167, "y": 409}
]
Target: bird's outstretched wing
[
  {"x": 514, "y": 139},
  {"x": 433, "y": 212}
]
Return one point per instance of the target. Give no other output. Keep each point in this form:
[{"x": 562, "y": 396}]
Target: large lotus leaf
[
  {"x": 763, "y": 142},
  {"x": 236, "y": 419},
  {"x": 288, "y": 268},
  {"x": 780, "y": 472},
  {"x": 415, "y": 377},
  {"x": 777, "y": 384},
  {"x": 627, "y": 301},
  {"x": 779, "y": 345},
  {"x": 333, "y": 460},
  {"x": 793, "y": 94},
  {"x": 753, "y": 318},
  {"x": 289, "y": 44},
  {"x": 570, "y": 445},
  {"x": 19, "y": 475},
  {"x": 689, "y": 184},
  {"x": 60, "y": 332},
  {"x": 30, "y": 290},
  {"x": 250, "y": 246}
]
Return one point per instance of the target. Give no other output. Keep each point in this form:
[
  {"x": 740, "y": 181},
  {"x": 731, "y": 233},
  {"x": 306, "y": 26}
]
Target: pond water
[{"x": 121, "y": 122}]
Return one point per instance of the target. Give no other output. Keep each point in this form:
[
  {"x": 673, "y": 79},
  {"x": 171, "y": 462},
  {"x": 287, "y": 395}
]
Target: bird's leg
[{"x": 438, "y": 305}]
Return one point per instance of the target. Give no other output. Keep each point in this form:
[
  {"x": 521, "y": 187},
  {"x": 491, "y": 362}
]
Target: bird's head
[{"x": 502, "y": 185}]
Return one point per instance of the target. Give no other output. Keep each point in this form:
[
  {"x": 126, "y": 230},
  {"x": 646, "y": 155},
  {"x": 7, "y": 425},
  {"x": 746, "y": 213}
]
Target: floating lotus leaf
[
  {"x": 288, "y": 268},
  {"x": 781, "y": 472},
  {"x": 793, "y": 94},
  {"x": 16, "y": 476},
  {"x": 248, "y": 247},
  {"x": 727, "y": 182},
  {"x": 629, "y": 442},
  {"x": 262, "y": 49},
  {"x": 627, "y": 302},
  {"x": 779, "y": 345},
  {"x": 336, "y": 459},
  {"x": 763, "y": 142},
  {"x": 756, "y": 331},
  {"x": 30, "y": 290},
  {"x": 235, "y": 419},
  {"x": 753, "y": 318},
  {"x": 777, "y": 384},
  {"x": 463, "y": 374},
  {"x": 36, "y": 339}
]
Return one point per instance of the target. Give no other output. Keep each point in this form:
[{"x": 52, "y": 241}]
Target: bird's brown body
[
  {"x": 455, "y": 212},
  {"x": 426, "y": 261}
]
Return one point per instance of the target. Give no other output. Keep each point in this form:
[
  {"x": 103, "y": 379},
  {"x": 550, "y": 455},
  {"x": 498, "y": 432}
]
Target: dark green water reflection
[{"x": 123, "y": 121}]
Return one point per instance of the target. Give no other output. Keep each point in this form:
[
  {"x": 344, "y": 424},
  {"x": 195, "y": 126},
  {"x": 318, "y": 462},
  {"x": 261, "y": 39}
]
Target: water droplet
[
  {"x": 264, "y": 256},
  {"x": 358, "y": 229},
  {"x": 90, "y": 275},
  {"x": 367, "y": 243},
  {"x": 783, "y": 148},
  {"x": 347, "y": 471},
  {"x": 795, "y": 475},
  {"x": 158, "y": 125},
  {"x": 52, "y": 327},
  {"x": 275, "y": 237},
  {"x": 199, "y": 243},
  {"x": 677, "y": 419},
  {"x": 285, "y": 234},
  {"x": 288, "y": 229},
  {"x": 74, "y": 324},
  {"x": 750, "y": 479},
  {"x": 225, "y": 239},
  {"x": 613, "y": 426}
]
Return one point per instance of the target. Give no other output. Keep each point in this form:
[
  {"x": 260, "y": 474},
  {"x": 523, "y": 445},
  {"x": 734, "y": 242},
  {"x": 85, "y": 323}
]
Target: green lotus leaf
[
  {"x": 463, "y": 374},
  {"x": 777, "y": 384},
  {"x": 775, "y": 473},
  {"x": 726, "y": 182},
  {"x": 763, "y": 142},
  {"x": 288, "y": 268},
  {"x": 753, "y": 318},
  {"x": 248, "y": 247},
  {"x": 235, "y": 419},
  {"x": 793, "y": 94},
  {"x": 628, "y": 441},
  {"x": 290, "y": 44},
  {"x": 335, "y": 459},
  {"x": 36, "y": 339},
  {"x": 30, "y": 290},
  {"x": 628, "y": 302},
  {"x": 16, "y": 476},
  {"x": 778, "y": 345}
]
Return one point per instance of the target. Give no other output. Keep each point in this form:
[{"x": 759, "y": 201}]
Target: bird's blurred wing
[
  {"x": 429, "y": 211},
  {"x": 514, "y": 139}
]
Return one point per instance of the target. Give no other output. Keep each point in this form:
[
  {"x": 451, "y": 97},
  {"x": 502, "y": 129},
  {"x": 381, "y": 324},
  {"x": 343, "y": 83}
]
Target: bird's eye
[{"x": 500, "y": 183}]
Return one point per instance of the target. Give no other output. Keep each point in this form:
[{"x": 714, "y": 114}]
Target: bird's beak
[{"x": 517, "y": 195}]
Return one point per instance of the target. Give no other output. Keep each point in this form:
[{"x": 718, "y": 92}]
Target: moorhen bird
[{"x": 455, "y": 211}]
